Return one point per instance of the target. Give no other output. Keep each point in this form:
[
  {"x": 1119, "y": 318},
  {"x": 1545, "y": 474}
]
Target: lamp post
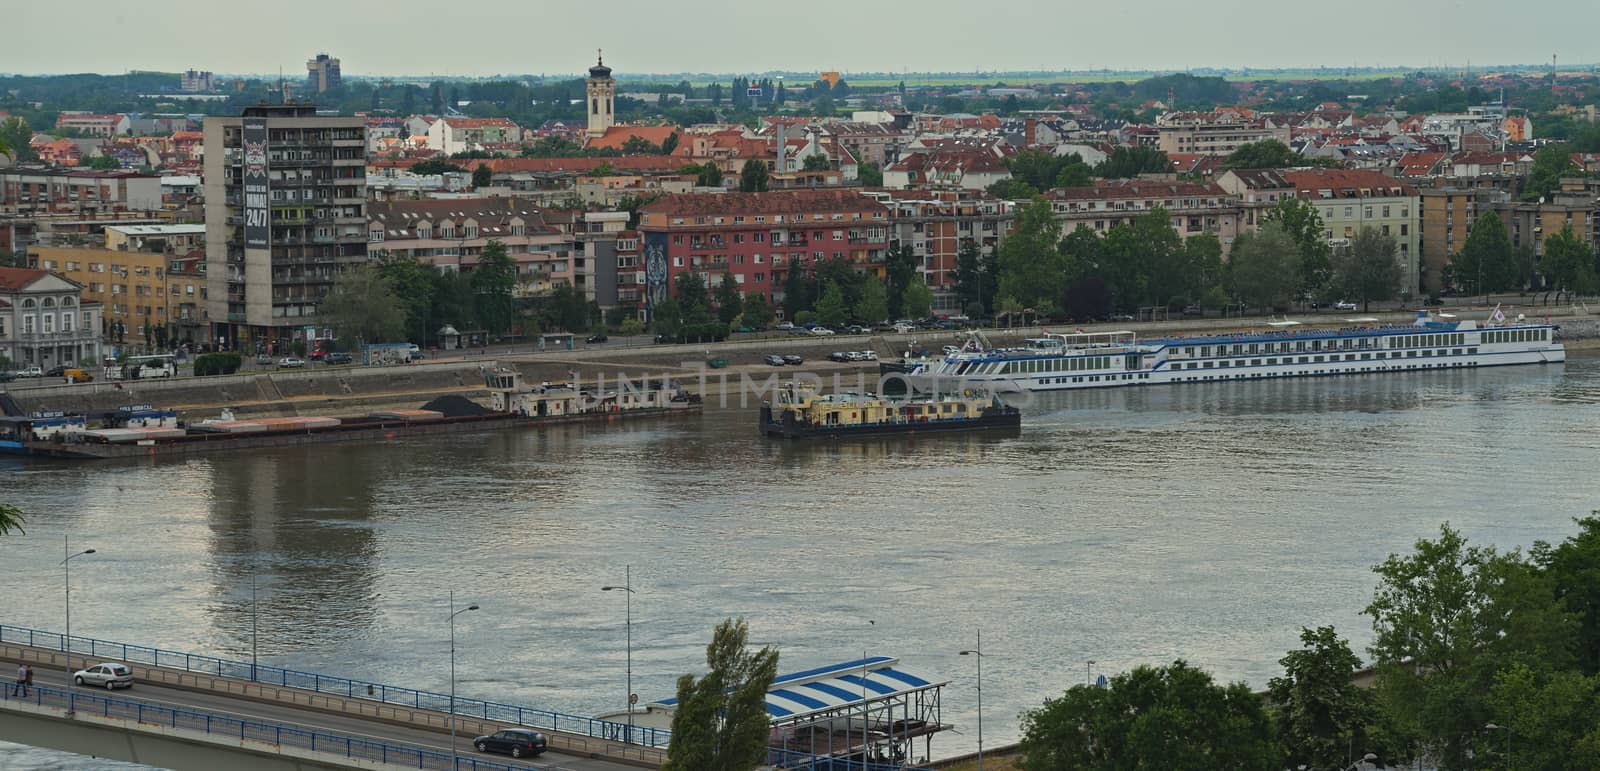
[
  {"x": 66, "y": 643},
  {"x": 627, "y": 589},
  {"x": 1507, "y": 729},
  {"x": 978, "y": 654},
  {"x": 254, "y": 628},
  {"x": 1088, "y": 672},
  {"x": 453, "y": 614}
]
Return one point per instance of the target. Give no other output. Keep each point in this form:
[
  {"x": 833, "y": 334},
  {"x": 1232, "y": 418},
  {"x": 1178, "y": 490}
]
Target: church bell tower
[{"x": 602, "y": 92}]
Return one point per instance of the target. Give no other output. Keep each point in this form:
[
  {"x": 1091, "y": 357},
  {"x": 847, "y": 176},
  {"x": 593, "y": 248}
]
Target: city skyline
[{"x": 698, "y": 36}]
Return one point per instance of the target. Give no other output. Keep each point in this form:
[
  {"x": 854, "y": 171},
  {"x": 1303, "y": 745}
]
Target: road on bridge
[{"x": 319, "y": 721}]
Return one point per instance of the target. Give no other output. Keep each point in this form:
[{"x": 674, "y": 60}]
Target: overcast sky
[{"x": 484, "y": 37}]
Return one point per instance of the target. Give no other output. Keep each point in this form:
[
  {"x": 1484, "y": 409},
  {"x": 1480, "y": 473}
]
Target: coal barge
[{"x": 801, "y": 413}]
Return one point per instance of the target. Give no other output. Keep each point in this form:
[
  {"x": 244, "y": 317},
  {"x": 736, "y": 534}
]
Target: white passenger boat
[{"x": 1282, "y": 349}]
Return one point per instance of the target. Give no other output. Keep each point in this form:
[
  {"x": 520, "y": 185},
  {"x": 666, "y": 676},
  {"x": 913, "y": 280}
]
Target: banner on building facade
[
  {"x": 257, "y": 206},
  {"x": 655, "y": 270}
]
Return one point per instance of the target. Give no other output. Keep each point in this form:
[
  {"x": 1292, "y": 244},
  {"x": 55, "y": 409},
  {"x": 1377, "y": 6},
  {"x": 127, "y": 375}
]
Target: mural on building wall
[{"x": 655, "y": 268}]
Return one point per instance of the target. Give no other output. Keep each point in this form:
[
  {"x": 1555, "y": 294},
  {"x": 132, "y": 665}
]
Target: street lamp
[
  {"x": 627, "y": 589},
  {"x": 66, "y": 643},
  {"x": 254, "y": 628},
  {"x": 978, "y": 654},
  {"x": 453, "y": 614},
  {"x": 1088, "y": 674},
  {"x": 1507, "y": 729}
]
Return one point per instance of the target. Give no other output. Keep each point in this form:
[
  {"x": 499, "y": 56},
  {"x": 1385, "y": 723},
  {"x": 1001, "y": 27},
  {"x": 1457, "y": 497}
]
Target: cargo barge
[
  {"x": 801, "y": 413},
  {"x": 142, "y": 431}
]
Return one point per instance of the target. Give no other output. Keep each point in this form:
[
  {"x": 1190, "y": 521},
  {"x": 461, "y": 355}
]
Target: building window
[
  {"x": 66, "y": 322},
  {"x": 472, "y": 231},
  {"x": 375, "y": 236}
]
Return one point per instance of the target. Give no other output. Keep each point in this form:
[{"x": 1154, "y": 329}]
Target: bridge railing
[
  {"x": 530, "y": 717},
  {"x": 243, "y": 730},
  {"x": 794, "y": 760}
]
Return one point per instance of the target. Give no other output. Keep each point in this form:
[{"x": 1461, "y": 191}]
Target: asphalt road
[{"x": 321, "y": 721}]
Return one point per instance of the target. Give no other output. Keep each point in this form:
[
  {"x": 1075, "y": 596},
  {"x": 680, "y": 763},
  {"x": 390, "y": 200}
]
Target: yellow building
[
  {"x": 135, "y": 289},
  {"x": 832, "y": 78}
]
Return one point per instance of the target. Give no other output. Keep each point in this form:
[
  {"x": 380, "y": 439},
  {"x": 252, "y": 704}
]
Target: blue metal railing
[
  {"x": 356, "y": 689},
  {"x": 265, "y": 732}
]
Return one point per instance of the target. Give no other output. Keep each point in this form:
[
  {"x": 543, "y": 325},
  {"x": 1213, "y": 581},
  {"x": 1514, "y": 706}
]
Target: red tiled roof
[
  {"x": 632, "y": 163},
  {"x": 1419, "y": 164},
  {"x": 1134, "y": 188},
  {"x": 462, "y": 123},
  {"x": 773, "y": 202},
  {"x": 617, "y": 136},
  {"x": 1346, "y": 183},
  {"x": 18, "y": 278}
]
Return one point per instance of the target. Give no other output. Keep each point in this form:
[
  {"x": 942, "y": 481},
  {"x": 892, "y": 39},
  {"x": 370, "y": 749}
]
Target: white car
[
  {"x": 291, "y": 362},
  {"x": 784, "y": 325},
  {"x": 821, "y": 331},
  {"x": 1344, "y": 306},
  {"x": 30, "y": 372},
  {"x": 108, "y": 674},
  {"x": 951, "y": 350}
]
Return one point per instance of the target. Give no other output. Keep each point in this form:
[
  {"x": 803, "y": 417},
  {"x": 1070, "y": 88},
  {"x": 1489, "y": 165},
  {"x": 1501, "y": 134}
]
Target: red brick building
[{"x": 755, "y": 236}]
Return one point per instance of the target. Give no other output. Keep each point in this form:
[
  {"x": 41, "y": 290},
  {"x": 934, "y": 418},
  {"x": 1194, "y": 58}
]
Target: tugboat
[{"x": 801, "y": 413}]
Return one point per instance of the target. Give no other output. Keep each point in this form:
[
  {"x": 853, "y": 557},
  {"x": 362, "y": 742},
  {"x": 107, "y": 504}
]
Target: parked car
[
  {"x": 950, "y": 349},
  {"x": 1122, "y": 317},
  {"x": 784, "y": 325},
  {"x": 264, "y": 359},
  {"x": 338, "y": 357},
  {"x": 1344, "y": 306},
  {"x": 56, "y": 371},
  {"x": 1193, "y": 310},
  {"x": 903, "y": 329},
  {"x": 596, "y": 338},
  {"x": 6, "y": 377},
  {"x": 773, "y": 359},
  {"x": 291, "y": 362},
  {"x": 841, "y": 356},
  {"x": 75, "y": 375},
  {"x": 821, "y": 331},
  {"x": 107, "y": 674},
  {"x": 857, "y": 329},
  {"x": 30, "y": 372},
  {"x": 516, "y": 742},
  {"x": 869, "y": 355},
  {"x": 793, "y": 359}
]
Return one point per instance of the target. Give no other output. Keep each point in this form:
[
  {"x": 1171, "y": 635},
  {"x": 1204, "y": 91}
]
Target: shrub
[
  {"x": 709, "y": 332},
  {"x": 225, "y": 363}
]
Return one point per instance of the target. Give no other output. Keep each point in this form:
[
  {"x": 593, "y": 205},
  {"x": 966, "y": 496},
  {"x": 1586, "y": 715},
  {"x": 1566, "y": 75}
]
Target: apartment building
[
  {"x": 451, "y": 234},
  {"x": 757, "y": 237},
  {"x": 322, "y": 74},
  {"x": 459, "y": 135},
  {"x": 193, "y": 81},
  {"x": 1218, "y": 133},
  {"x": 1529, "y": 223},
  {"x": 1192, "y": 208},
  {"x": 1350, "y": 200},
  {"x": 135, "y": 289},
  {"x": 1258, "y": 190},
  {"x": 93, "y": 124},
  {"x": 936, "y": 225},
  {"x": 1448, "y": 214},
  {"x": 285, "y": 193},
  {"x": 30, "y": 191},
  {"x": 44, "y": 321}
]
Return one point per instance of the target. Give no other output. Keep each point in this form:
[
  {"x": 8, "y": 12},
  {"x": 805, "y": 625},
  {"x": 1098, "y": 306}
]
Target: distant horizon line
[{"x": 875, "y": 74}]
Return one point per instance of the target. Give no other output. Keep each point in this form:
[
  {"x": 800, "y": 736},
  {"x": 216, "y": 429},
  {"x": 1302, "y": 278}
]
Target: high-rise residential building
[
  {"x": 322, "y": 74},
  {"x": 285, "y": 193},
  {"x": 193, "y": 81}
]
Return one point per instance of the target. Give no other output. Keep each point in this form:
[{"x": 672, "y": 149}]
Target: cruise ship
[{"x": 1282, "y": 349}]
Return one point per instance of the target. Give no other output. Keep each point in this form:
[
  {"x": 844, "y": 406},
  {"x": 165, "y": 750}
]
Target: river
[{"x": 1207, "y": 522}]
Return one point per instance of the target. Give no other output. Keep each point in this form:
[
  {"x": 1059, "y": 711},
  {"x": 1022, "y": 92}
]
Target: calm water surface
[{"x": 1207, "y": 522}]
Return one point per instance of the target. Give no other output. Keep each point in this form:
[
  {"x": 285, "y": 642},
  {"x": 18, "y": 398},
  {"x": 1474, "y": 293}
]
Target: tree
[
  {"x": 873, "y": 306},
  {"x": 1445, "y": 619},
  {"x": 1574, "y": 571},
  {"x": 1074, "y": 173},
  {"x": 1031, "y": 266},
  {"x": 1126, "y": 161},
  {"x": 729, "y": 302},
  {"x": 1367, "y": 269},
  {"x": 757, "y": 310},
  {"x": 1266, "y": 154},
  {"x": 100, "y": 163},
  {"x": 870, "y": 174},
  {"x": 434, "y": 166},
  {"x": 494, "y": 282},
  {"x": 816, "y": 163},
  {"x": 969, "y": 274},
  {"x": 708, "y": 174},
  {"x": 831, "y": 308},
  {"x": 362, "y": 307},
  {"x": 1012, "y": 189},
  {"x": 15, "y": 135},
  {"x": 1320, "y": 713},
  {"x": 917, "y": 301},
  {"x": 1568, "y": 264},
  {"x": 1550, "y": 164},
  {"x": 666, "y": 317},
  {"x": 1303, "y": 224},
  {"x": 1172, "y": 717},
  {"x": 799, "y": 289},
  {"x": 721, "y": 722},
  {"x": 10, "y": 519},
  {"x": 1486, "y": 262},
  {"x": 753, "y": 177},
  {"x": 1264, "y": 266},
  {"x": 669, "y": 144},
  {"x": 482, "y": 176},
  {"x": 900, "y": 269}
]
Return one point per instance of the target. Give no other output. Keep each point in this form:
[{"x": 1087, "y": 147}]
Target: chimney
[{"x": 1029, "y": 132}]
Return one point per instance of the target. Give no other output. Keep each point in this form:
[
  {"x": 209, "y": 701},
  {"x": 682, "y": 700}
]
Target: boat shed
[{"x": 866, "y": 708}]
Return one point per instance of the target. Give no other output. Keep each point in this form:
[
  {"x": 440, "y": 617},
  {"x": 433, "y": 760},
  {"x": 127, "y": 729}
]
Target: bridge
[{"x": 189, "y": 711}]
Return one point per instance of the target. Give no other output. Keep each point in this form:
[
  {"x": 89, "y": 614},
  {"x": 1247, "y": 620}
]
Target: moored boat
[{"x": 799, "y": 412}]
